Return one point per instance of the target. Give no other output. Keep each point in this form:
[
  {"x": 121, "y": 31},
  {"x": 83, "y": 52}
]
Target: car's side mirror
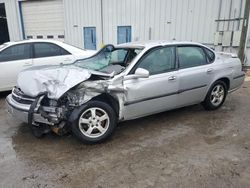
[{"x": 139, "y": 73}]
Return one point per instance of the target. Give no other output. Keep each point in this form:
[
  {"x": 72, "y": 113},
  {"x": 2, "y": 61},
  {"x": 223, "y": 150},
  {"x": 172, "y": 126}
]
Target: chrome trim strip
[
  {"x": 16, "y": 105},
  {"x": 239, "y": 76},
  {"x": 23, "y": 98}
]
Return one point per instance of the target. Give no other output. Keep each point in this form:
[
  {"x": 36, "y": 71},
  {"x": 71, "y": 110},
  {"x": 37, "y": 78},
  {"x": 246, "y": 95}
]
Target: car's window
[
  {"x": 48, "y": 49},
  {"x": 109, "y": 59},
  {"x": 103, "y": 59},
  {"x": 191, "y": 56},
  {"x": 210, "y": 55},
  {"x": 118, "y": 56},
  {"x": 17, "y": 52},
  {"x": 159, "y": 61}
]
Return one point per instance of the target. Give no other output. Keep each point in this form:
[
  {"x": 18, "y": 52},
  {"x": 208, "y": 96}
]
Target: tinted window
[
  {"x": 210, "y": 55},
  {"x": 48, "y": 50},
  {"x": 191, "y": 56},
  {"x": 159, "y": 61},
  {"x": 17, "y": 52}
]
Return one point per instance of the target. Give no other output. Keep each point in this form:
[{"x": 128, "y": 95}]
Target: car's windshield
[{"x": 109, "y": 60}]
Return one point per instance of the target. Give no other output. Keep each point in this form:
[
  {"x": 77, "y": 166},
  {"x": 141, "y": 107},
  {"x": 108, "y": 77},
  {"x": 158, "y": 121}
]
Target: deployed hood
[{"x": 54, "y": 81}]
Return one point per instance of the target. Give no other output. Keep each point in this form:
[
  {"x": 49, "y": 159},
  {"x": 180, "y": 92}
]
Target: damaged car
[{"x": 91, "y": 96}]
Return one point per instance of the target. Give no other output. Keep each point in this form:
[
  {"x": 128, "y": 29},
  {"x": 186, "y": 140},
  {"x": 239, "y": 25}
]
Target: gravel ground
[{"x": 188, "y": 147}]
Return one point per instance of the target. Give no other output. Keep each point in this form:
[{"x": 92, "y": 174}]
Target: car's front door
[
  {"x": 195, "y": 75},
  {"x": 156, "y": 93},
  {"x": 12, "y": 60},
  {"x": 46, "y": 53}
]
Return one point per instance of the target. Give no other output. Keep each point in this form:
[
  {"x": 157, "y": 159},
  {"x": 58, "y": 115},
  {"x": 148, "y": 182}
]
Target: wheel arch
[
  {"x": 109, "y": 99},
  {"x": 225, "y": 80}
]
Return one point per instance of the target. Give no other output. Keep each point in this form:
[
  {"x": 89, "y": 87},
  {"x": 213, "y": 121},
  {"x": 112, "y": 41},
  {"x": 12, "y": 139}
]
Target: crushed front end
[{"x": 41, "y": 113}]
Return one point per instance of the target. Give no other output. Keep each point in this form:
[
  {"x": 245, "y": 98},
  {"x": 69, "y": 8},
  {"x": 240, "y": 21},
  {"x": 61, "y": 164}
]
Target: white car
[{"x": 16, "y": 56}]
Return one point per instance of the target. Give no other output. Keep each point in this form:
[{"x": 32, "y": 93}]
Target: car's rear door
[
  {"x": 12, "y": 60},
  {"x": 156, "y": 93},
  {"x": 46, "y": 53},
  {"x": 195, "y": 74}
]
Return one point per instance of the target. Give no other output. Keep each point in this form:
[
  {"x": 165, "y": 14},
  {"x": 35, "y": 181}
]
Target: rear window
[
  {"x": 210, "y": 55},
  {"x": 43, "y": 49},
  {"x": 191, "y": 56}
]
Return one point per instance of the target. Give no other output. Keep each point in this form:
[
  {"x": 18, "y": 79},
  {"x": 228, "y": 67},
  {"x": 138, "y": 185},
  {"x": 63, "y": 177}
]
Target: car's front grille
[{"x": 19, "y": 97}]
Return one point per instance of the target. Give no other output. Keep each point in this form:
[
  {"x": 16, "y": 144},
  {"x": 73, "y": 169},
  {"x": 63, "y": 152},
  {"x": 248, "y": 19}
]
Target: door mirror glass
[{"x": 139, "y": 73}]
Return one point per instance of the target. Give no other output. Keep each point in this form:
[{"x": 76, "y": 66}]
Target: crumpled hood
[{"x": 54, "y": 80}]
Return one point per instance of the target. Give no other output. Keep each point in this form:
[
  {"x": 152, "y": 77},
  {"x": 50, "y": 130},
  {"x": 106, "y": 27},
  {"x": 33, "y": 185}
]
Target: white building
[{"x": 92, "y": 23}]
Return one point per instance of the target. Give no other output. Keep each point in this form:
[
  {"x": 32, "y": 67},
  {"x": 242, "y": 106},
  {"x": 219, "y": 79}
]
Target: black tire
[
  {"x": 77, "y": 113},
  {"x": 207, "y": 103}
]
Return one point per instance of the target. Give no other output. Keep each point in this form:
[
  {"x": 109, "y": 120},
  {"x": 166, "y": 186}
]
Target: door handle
[
  {"x": 172, "y": 78},
  {"x": 28, "y": 64},
  {"x": 210, "y": 70}
]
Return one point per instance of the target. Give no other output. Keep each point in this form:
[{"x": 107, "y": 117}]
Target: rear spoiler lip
[{"x": 232, "y": 55}]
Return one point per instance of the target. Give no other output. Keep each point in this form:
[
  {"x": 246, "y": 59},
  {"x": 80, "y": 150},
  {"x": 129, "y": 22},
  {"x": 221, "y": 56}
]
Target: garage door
[{"x": 43, "y": 19}]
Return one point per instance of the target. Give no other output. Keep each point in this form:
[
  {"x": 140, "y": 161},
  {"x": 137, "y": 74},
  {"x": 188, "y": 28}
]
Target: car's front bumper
[{"x": 17, "y": 110}]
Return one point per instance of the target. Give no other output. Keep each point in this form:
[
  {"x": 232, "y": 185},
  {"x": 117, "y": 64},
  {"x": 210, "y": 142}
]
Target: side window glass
[
  {"x": 159, "y": 61},
  {"x": 191, "y": 56},
  {"x": 210, "y": 55},
  {"x": 118, "y": 56},
  {"x": 17, "y": 52},
  {"x": 48, "y": 50}
]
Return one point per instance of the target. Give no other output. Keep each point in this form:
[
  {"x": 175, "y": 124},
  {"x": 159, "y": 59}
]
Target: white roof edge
[
  {"x": 152, "y": 43},
  {"x": 34, "y": 40}
]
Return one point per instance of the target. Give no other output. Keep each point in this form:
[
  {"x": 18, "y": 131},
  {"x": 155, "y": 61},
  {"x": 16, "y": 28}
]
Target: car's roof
[
  {"x": 33, "y": 40},
  {"x": 68, "y": 47},
  {"x": 153, "y": 43}
]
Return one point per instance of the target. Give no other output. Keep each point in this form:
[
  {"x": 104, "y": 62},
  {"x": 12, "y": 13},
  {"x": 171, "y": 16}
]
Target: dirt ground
[{"x": 188, "y": 147}]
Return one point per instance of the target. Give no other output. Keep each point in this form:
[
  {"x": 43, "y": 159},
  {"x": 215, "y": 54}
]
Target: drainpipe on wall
[
  {"x": 219, "y": 14},
  {"x": 19, "y": 3},
  {"x": 243, "y": 37},
  {"x": 102, "y": 22}
]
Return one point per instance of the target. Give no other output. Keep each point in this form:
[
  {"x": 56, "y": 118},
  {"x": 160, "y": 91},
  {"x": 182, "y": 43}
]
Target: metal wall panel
[
  {"x": 12, "y": 14},
  {"x": 189, "y": 20},
  {"x": 79, "y": 14}
]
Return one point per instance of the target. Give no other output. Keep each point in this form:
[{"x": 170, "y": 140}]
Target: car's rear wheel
[
  {"x": 95, "y": 122},
  {"x": 215, "y": 96}
]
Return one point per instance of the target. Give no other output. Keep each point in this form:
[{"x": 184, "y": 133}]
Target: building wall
[
  {"x": 79, "y": 14},
  {"x": 190, "y": 20},
  {"x": 12, "y": 14}
]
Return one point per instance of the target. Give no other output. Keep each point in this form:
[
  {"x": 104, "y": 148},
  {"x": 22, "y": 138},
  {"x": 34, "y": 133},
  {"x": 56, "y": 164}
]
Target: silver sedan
[{"x": 123, "y": 82}]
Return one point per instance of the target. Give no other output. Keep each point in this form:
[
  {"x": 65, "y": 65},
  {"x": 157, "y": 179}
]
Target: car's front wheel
[
  {"x": 95, "y": 122},
  {"x": 215, "y": 96}
]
